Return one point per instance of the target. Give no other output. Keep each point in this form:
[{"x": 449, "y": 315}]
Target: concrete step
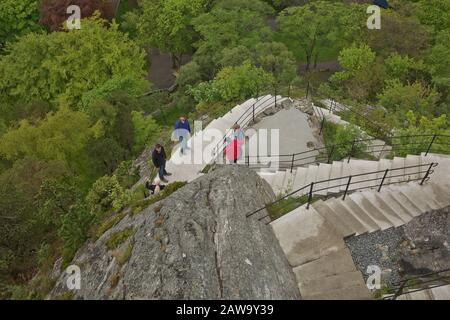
[
  {"x": 392, "y": 203},
  {"x": 363, "y": 167},
  {"x": 360, "y": 224},
  {"x": 311, "y": 175},
  {"x": 288, "y": 183},
  {"x": 376, "y": 148},
  {"x": 440, "y": 293},
  {"x": 384, "y": 164},
  {"x": 357, "y": 292},
  {"x": 323, "y": 174},
  {"x": 397, "y": 175},
  {"x": 403, "y": 200},
  {"x": 277, "y": 183},
  {"x": 334, "y": 263},
  {"x": 305, "y": 236},
  {"x": 300, "y": 179},
  {"x": 354, "y": 211},
  {"x": 373, "y": 212},
  {"x": 336, "y": 221},
  {"x": 268, "y": 176},
  {"x": 339, "y": 281},
  {"x": 412, "y": 173},
  {"x": 441, "y": 193},
  {"x": 377, "y": 204},
  {"x": 336, "y": 172},
  {"x": 417, "y": 196}
]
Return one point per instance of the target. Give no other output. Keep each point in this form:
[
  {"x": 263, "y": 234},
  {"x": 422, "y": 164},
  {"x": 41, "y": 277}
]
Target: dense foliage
[{"x": 73, "y": 113}]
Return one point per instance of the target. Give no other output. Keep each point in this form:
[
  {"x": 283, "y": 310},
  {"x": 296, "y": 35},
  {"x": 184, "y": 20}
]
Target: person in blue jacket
[{"x": 182, "y": 131}]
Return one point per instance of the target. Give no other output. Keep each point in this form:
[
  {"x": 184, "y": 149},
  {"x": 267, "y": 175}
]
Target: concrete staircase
[
  {"x": 283, "y": 182},
  {"x": 187, "y": 167},
  {"x": 437, "y": 293},
  {"x": 313, "y": 240}
]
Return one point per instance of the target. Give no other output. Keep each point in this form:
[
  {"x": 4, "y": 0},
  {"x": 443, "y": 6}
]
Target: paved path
[{"x": 294, "y": 130}]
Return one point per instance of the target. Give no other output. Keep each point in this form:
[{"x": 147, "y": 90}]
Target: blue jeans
[
  {"x": 183, "y": 142},
  {"x": 162, "y": 171}
]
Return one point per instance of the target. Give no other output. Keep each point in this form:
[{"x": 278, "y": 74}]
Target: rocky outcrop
[{"x": 195, "y": 244}]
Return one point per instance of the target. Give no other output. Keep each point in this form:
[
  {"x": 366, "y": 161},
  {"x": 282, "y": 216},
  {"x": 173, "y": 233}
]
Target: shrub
[
  {"x": 119, "y": 237},
  {"x": 340, "y": 138},
  {"x": 127, "y": 174},
  {"x": 74, "y": 231},
  {"x": 105, "y": 195}
]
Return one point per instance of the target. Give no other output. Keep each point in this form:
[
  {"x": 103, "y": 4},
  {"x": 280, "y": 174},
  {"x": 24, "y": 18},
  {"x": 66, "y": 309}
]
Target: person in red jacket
[{"x": 233, "y": 150}]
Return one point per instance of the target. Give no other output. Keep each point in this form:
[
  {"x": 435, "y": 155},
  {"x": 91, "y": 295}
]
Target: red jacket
[{"x": 233, "y": 150}]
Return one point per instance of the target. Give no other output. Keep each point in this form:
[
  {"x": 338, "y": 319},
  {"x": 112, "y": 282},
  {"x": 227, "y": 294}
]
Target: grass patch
[
  {"x": 114, "y": 281},
  {"x": 108, "y": 224},
  {"x": 68, "y": 295},
  {"x": 284, "y": 206},
  {"x": 139, "y": 194},
  {"x": 168, "y": 190},
  {"x": 117, "y": 238},
  {"x": 207, "y": 169},
  {"x": 122, "y": 256}
]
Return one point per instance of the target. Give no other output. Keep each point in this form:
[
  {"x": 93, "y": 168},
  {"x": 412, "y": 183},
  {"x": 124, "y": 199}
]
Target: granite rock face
[{"x": 195, "y": 244}]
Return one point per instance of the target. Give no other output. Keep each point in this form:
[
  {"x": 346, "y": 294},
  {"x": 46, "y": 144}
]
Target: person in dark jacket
[
  {"x": 182, "y": 131},
  {"x": 154, "y": 187},
  {"x": 159, "y": 160}
]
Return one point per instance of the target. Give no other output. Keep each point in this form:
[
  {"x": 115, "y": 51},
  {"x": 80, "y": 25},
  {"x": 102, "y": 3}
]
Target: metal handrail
[
  {"x": 373, "y": 124},
  {"x": 250, "y": 112},
  {"x": 317, "y": 153},
  {"x": 350, "y": 180},
  {"x": 403, "y": 284}
]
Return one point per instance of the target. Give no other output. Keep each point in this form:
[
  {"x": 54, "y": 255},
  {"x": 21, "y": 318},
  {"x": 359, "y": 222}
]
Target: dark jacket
[
  {"x": 181, "y": 125},
  {"x": 159, "y": 159}
]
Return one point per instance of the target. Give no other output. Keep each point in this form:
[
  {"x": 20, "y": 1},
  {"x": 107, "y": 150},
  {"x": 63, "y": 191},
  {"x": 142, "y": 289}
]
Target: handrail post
[
  {"x": 348, "y": 185},
  {"x": 427, "y": 174},
  {"x": 351, "y": 151},
  {"x": 322, "y": 124},
  {"x": 292, "y": 162},
  {"x": 275, "y": 97},
  {"x": 431, "y": 144},
  {"x": 330, "y": 155},
  {"x": 253, "y": 112},
  {"x": 382, "y": 181},
  {"x": 310, "y": 195},
  {"x": 247, "y": 158}
]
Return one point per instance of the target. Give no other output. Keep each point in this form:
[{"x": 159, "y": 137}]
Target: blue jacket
[{"x": 181, "y": 125}]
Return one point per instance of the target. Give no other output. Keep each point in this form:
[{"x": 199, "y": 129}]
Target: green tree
[
  {"x": 311, "y": 28},
  {"x": 435, "y": 13},
  {"x": 360, "y": 77},
  {"x": 399, "y": 34},
  {"x": 22, "y": 230},
  {"x": 438, "y": 59},
  {"x": 229, "y": 24},
  {"x": 17, "y": 18},
  {"x": 398, "y": 99},
  {"x": 146, "y": 130},
  {"x": 65, "y": 66},
  {"x": 62, "y": 136},
  {"x": 167, "y": 25},
  {"x": 234, "y": 84},
  {"x": 275, "y": 58}
]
